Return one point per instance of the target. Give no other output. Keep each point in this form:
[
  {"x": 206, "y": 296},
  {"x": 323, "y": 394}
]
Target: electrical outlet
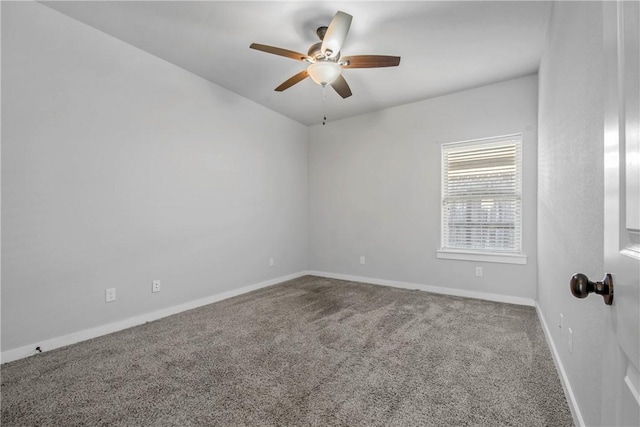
[
  {"x": 570, "y": 339},
  {"x": 110, "y": 294},
  {"x": 271, "y": 262},
  {"x": 362, "y": 260},
  {"x": 478, "y": 271},
  {"x": 155, "y": 287},
  {"x": 561, "y": 324}
]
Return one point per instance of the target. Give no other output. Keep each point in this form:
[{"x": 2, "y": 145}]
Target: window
[{"x": 481, "y": 200}]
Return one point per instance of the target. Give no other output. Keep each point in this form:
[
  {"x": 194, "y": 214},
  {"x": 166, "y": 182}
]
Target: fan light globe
[{"x": 324, "y": 73}]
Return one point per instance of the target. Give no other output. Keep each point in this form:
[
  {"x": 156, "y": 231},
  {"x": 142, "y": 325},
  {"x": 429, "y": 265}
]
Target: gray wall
[
  {"x": 374, "y": 188},
  {"x": 570, "y": 192},
  {"x": 119, "y": 168}
]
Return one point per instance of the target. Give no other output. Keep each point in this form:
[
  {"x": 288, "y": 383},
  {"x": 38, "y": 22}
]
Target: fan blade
[
  {"x": 297, "y": 78},
  {"x": 341, "y": 86},
  {"x": 370, "y": 61},
  {"x": 279, "y": 51},
  {"x": 336, "y": 34}
]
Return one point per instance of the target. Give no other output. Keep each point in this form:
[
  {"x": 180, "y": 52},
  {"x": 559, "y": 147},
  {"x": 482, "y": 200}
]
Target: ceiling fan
[{"x": 324, "y": 58}]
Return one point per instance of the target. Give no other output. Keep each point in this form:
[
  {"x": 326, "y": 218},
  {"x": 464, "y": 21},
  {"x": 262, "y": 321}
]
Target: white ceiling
[{"x": 446, "y": 46}]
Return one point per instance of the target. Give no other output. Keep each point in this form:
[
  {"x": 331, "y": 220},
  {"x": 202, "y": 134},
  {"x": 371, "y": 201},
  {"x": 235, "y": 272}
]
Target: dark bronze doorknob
[{"x": 581, "y": 287}]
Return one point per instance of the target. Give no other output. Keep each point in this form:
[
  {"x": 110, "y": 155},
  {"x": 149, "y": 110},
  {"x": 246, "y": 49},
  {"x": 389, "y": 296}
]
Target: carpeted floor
[{"x": 308, "y": 352}]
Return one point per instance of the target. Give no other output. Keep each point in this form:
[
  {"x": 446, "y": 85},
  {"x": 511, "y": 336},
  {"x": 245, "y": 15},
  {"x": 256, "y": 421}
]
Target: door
[{"x": 621, "y": 361}]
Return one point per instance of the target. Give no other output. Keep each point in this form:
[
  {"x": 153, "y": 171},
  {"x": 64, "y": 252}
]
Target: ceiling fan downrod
[{"x": 321, "y": 31}]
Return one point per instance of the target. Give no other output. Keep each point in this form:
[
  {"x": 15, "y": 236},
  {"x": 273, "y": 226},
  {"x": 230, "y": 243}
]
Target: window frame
[{"x": 483, "y": 255}]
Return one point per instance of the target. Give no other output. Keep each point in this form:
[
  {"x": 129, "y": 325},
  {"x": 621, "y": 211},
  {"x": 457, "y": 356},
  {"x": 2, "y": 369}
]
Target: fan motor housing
[{"x": 315, "y": 50}]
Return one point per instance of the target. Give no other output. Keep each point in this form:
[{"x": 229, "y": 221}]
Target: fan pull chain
[{"x": 324, "y": 97}]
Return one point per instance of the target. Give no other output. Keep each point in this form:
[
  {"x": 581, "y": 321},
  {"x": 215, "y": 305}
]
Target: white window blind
[{"x": 481, "y": 195}]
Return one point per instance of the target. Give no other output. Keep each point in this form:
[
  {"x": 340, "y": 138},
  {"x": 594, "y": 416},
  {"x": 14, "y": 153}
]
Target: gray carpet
[{"x": 308, "y": 352}]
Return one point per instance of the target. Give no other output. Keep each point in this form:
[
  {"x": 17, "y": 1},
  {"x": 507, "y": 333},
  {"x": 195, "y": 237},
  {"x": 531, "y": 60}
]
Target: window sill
[{"x": 482, "y": 256}]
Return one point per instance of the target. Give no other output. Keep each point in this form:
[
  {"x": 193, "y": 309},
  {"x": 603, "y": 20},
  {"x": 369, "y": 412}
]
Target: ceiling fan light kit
[
  {"x": 324, "y": 72},
  {"x": 325, "y": 64}
]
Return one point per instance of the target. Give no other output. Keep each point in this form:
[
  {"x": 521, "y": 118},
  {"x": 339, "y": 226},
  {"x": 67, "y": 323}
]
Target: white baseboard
[
  {"x": 427, "y": 288},
  {"x": 76, "y": 337},
  {"x": 568, "y": 391}
]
